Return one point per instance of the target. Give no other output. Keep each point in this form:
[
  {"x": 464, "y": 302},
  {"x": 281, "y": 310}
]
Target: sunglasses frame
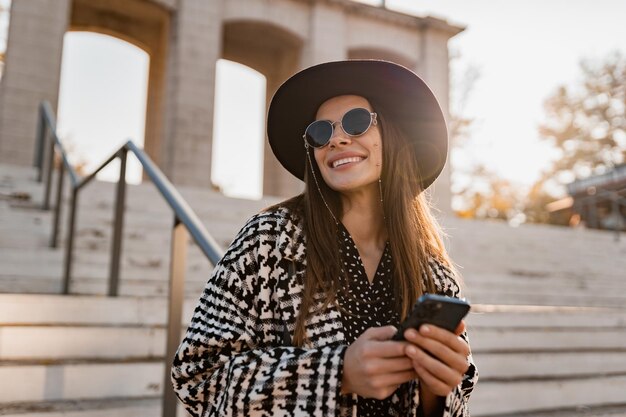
[{"x": 373, "y": 122}]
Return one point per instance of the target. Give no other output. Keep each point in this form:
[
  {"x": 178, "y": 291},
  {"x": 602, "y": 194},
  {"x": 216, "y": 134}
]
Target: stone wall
[{"x": 184, "y": 40}]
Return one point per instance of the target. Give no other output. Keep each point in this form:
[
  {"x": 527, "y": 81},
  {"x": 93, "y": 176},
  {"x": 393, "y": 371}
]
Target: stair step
[
  {"x": 28, "y": 309},
  {"x": 48, "y": 310},
  {"x": 534, "y": 316},
  {"x": 499, "y": 398},
  {"x": 78, "y": 286},
  {"x": 35, "y": 383},
  {"x": 618, "y": 410},
  {"x": 507, "y": 366},
  {"x": 101, "y": 272},
  {"x": 71, "y": 342},
  {"x": 582, "y": 299},
  {"x": 110, "y": 407},
  {"x": 547, "y": 339}
]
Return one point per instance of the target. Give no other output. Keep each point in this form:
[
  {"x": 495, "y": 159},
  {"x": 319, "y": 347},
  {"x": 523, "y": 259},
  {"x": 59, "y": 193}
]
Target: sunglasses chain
[
  {"x": 306, "y": 145},
  {"x": 382, "y": 204}
]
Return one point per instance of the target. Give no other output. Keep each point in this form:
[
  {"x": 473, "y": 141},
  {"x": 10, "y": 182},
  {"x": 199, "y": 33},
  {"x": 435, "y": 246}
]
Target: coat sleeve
[
  {"x": 231, "y": 364},
  {"x": 456, "y": 404}
]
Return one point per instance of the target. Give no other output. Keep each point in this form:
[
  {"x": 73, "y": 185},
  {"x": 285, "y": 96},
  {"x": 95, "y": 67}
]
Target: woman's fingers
[
  {"x": 379, "y": 333},
  {"x": 386, "y": 349},
  {"x": 445, "y": 337},
  {"x": 384, "y": 366},
  {"x": 380, "y": 345},
  {"x": 397, "y": 378},
  {"x": 375, "y": 366},
  {"x": 447, "y": 375},
  {"x": 435, "y": 385},
  {"x": 439, "y": 357},
  {"x": 460, "y": 328},
  {"x": 444, "y": 345}
]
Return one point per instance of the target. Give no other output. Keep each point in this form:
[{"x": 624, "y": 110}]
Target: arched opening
[
  {"x": 102, "y": 100},
  {"x": 238, "y": 130},
  {"x": 5, "y": 7},
  {"x": 274, "y": 52}
]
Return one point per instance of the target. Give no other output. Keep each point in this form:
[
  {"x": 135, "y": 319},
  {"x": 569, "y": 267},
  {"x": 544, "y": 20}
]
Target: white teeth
[{"x": 346, "y": 161}]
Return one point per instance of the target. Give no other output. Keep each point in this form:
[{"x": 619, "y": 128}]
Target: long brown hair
[{"x": 414, "y": 234}]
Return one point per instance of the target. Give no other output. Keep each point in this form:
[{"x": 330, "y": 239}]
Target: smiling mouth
[{"x": 344, "y": 161}]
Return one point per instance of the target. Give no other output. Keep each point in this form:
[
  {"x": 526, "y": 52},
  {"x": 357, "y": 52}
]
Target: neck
[{"x": 363, "y": 217}]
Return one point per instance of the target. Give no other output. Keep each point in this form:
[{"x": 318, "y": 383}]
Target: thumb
[{"x": 380, "y": 333}]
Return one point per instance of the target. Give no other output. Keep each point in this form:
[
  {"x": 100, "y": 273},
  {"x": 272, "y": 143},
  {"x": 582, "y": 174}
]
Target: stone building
[
  {"x": 184, "y": 39},
  {"x": 599, "y": 202}
]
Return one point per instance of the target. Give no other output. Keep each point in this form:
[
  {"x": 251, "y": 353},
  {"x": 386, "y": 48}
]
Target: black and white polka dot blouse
[{"x": 366, "y": 305}]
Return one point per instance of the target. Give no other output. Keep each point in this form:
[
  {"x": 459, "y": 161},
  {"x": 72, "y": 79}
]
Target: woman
[{"x": 298, "y": 315}]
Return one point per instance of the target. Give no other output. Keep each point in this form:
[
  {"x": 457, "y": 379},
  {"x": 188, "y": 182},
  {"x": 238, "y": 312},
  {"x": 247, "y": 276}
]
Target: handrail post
[
  {"x": 57, "y": 208},
  {"x": 39, "y": 143},
  {"x": 175, "y": 309},
  {"x": 69, "y": 248},
  {"x": 615, "y": 209},
  {"x": 116, "y": 249},
  {"x": 49, "y": 169}
]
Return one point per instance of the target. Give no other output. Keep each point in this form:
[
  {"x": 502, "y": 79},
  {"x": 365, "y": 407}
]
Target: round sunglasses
[{"x": 354, "y": 123}]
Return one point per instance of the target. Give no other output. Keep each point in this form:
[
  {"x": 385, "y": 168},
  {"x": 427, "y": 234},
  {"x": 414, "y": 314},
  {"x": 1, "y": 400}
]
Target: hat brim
[{"x": 407, "y": 100}]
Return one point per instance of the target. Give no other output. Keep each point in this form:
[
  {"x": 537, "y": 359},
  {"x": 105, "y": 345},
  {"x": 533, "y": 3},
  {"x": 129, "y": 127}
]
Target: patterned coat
[{"x": 235, "y": 359}]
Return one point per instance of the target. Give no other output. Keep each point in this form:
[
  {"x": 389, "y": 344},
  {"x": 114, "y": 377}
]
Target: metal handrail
[{"x": 186, "y": 222}]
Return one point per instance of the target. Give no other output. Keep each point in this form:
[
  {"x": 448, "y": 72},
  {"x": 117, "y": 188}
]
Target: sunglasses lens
[
  {"x": 319, "y": 133},
  {"x": 356, "y": 121}
]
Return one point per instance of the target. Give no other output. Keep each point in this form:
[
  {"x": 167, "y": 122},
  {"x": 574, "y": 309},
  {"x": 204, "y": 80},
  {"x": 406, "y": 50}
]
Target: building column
[
  {"x": 32, "y": 73},
  {"x": 277, "y": 181},
  {"x": 154, "y": 136},
  {"x": 326, "y": 41},
  {"x": 195, "y": 47},
  {"x": 327, "y": 35},
  {"x": 433, "y": 68}
]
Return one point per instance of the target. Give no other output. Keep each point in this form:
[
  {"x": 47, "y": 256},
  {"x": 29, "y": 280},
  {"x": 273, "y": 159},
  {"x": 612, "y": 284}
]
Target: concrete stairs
[
  {"x": 548, "y": 327},
  {"x": 25, "y": 231},
  {"x": 534, "y": 358}
]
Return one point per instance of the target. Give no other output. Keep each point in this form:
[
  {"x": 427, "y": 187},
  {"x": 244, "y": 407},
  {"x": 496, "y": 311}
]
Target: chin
[{"x": 351, "y": 185}]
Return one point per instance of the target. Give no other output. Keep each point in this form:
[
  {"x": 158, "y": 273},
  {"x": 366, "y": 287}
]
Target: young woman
[{"x": 298, "y": 316}]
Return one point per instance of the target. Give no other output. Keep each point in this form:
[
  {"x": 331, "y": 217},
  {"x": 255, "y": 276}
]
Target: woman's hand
[
  {"x": 374, "y": 366},
  {"x": 443, "y": 369}
]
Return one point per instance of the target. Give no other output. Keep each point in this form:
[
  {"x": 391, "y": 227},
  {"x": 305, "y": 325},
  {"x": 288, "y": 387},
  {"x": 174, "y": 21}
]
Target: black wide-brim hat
[{"x": 406, "y": 99}]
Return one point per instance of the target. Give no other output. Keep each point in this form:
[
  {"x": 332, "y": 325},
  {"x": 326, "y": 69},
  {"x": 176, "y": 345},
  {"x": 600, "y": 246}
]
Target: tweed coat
[{"x": 235, "y": 359}]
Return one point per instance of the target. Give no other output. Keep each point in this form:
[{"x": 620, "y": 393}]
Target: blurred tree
[
  {"x": 465, "y": 198},
  {"x": 460, "y": 124},
  {"x": 587, "y": 123},
  {"x": 478, "y": 193},
  {"x": 76, "y": 158},
  {"x": 535, "y": 203},
  {"x": 487, "y": 196}
]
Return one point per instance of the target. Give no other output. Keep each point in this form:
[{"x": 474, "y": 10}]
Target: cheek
[
  {"x": 318, "y": 155},
  {"x": 377, "y": 152}
]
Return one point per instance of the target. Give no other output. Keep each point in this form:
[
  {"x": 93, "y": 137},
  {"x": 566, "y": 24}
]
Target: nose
[{"x": 339, "y": 136}]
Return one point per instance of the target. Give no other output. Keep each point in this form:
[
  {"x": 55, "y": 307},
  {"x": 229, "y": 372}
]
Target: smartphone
[{"x": 439, "y": 310}]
